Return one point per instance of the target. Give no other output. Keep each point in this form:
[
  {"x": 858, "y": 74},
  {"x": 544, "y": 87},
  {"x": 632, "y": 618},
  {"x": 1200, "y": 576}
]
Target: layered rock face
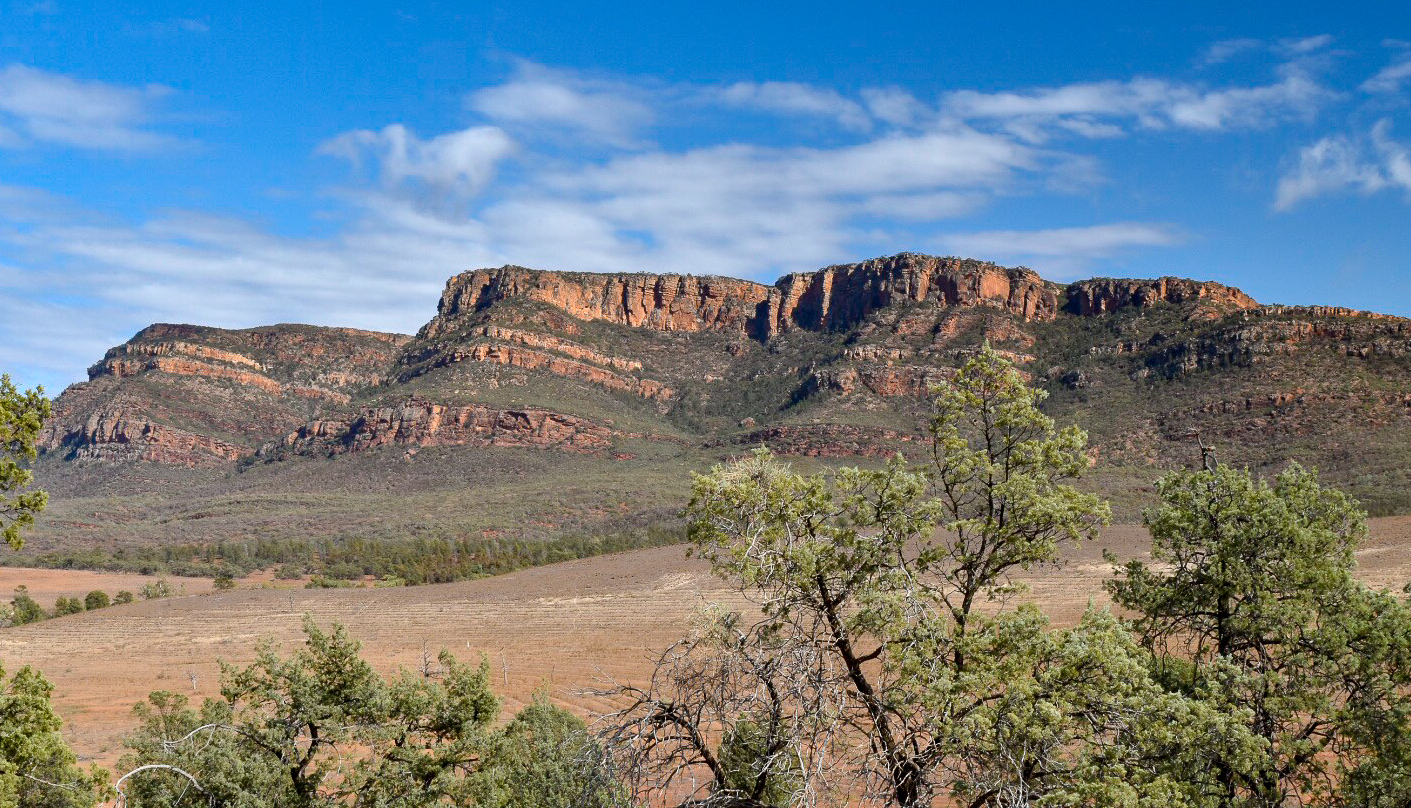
[
  {"x": 840, "y": 297},
  {"x": 659, "y": 302},
  {"x": 422, "y": 423},
  {"x": 191, "y": 395},
  {"x": 1102, "y": 295},
  {"x": 832, "y": 298},
  {"x": 536, "y": 359}
]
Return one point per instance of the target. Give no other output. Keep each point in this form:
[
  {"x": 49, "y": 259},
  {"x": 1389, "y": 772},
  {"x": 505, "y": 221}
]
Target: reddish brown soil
[
  {"x": 563, "y": 627},
  {"x": 46, "y": 586}
]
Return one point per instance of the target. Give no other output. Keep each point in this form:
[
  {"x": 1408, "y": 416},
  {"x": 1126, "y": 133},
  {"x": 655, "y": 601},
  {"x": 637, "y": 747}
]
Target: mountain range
[{"x": 536, "y": 402}]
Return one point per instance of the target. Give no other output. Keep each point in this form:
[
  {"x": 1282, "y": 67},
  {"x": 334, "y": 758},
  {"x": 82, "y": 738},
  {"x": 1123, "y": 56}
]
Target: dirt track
[{"x": 563, "y": 627}]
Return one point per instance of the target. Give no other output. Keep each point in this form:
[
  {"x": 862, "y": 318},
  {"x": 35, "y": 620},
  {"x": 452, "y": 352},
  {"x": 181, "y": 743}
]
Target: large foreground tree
[
  {"x": 890, "y": 663},
  {"x": 1250, "y": 604},
  {"x": 37, "y": 768}
]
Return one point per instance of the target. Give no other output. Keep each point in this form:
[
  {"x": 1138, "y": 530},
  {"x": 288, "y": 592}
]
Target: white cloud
[
  {"x": 895, "y": 106},
  {"x": 1063, "y": 252},
  {"x": 1300, "y": 46},
  {"x": 54, "y": 108},
  {"x": 459, "y": 162},
  {"x": 1340, "y": 164},
  {"x": 1152, "y": 103},
  {"x": 792, "y": 98},
  {"x": 541, "y": 99},
  {"x": 1390, "y": 78},
  {"x": 1226, "y": 49}
]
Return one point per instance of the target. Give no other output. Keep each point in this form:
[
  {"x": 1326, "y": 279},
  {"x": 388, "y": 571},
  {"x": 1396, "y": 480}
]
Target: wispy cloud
[
  {"x": 1391, "y": 78},
  {"x": 37, "y": 106},
  {"x": 1064, "y": 252},
  {"x": 1150, "y": 103},
  {"x": 1342, "y": 164},
  {"x": 1301, "y": 46},
  {"x": 539, "y": 98},
  {"x": 792, "y": 98},
  {"x": 460, "y": 162},
  {"x": 1227, "y": 49}
]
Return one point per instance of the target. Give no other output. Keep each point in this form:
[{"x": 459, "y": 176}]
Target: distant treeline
[{"x": 411, "y": 560}]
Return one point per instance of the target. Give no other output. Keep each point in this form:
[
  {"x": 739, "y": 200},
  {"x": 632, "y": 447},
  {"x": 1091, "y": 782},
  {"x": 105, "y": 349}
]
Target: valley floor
[{"x": 563, "y": 627}]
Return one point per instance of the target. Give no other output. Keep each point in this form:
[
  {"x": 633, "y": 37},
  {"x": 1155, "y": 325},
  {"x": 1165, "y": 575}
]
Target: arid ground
[{"x": 563, "y": 627}]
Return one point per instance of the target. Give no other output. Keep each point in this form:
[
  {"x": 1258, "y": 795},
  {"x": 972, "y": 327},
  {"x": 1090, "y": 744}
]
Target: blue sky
[{"x": 245, "y": 164}]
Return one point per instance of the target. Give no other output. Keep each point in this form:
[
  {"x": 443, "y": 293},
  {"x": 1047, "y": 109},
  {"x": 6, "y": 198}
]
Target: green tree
[
  {"x": 1250, "y": 604},
  {"x": 97, "y": 599},
  {"x": 319, "y": 728},
  {"x": 224, "y": 582},
  {"x": 123, "y": 596},
  {"x": 22, "y": 415},
  {"x": 544, "y": 758},
  {"x": 64, "y": 606},
  {"x": 899, "y": 578},
  {"x": 25, "y": 609},
  {"x": 37, "y": 769},
  {"x": 751, "y": 766},
  {"x": 157, "y": 590}
]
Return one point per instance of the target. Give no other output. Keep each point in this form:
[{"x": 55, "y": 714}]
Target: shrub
[
  {"x": 97, "y": 599},
  {"x": 64, "y": 606},
  {"x": 25, "y": 609}
]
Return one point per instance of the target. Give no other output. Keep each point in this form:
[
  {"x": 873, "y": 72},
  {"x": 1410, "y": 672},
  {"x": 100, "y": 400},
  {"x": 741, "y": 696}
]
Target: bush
[
  {"x": 156, "y": 591},
  {"x": 64, "y": 606},
  {"x": 122, "y": 597},
  {"x": 224, "y": 583},
  {"x": 97, "y": 599},
  {"x": 25, "y": 609}
]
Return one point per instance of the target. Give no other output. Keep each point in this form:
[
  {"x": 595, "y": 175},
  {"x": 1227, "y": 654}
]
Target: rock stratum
[{"x": 830, "y": 364}]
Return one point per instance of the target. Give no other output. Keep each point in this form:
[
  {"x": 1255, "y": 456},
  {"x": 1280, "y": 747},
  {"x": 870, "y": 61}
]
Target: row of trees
[
  {"x": 892, "y": 660},
  {"x": 414, "y": 560},
  {"x": 23, "y": 608}
]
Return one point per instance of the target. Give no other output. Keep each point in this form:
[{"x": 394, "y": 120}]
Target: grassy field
[{"x": 563, "y": 627}]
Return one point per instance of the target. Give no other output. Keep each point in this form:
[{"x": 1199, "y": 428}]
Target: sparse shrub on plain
[
  {"x": 123, "y": 596},
  {"x": 97, "y": 599},
  {"x": 25, "y": 609},
  {"x": 157, "y": 590},
  {"x": 66, "y": 606}
]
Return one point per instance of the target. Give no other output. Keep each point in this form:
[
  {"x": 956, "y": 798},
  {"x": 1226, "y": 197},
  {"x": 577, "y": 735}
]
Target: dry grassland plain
[{"x": 561, "y": 628}]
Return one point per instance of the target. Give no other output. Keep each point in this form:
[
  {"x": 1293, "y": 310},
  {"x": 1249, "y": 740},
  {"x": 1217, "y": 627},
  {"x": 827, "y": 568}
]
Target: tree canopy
[{"x": 22, "y": 415}]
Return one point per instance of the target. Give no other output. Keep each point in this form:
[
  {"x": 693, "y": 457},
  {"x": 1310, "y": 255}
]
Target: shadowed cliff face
[{"x": 832, "y": 363}]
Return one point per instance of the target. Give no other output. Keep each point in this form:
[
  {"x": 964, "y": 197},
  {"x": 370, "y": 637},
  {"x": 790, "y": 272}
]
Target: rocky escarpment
[
  {"x": 531, "y": 358},
  {"x": 423, "y": 423},
  {"x": 1262, "y": 334},
  {"x": 833, "y": 298},
  {"x": 1102, "y": 295},
  {"x": 658, "y": 302}
]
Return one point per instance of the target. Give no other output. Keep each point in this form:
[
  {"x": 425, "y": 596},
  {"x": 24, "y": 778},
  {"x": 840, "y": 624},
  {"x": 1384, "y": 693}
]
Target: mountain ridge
[{"x": 632, "y": 379}]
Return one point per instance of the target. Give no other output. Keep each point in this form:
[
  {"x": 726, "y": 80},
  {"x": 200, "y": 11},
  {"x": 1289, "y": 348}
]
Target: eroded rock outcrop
[
  {"x": 424, "y": 423},
  {"x": 539, "y": 360},
  {"x": 1103, "y": 295},
  {"x": 112, "y": 435}
]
